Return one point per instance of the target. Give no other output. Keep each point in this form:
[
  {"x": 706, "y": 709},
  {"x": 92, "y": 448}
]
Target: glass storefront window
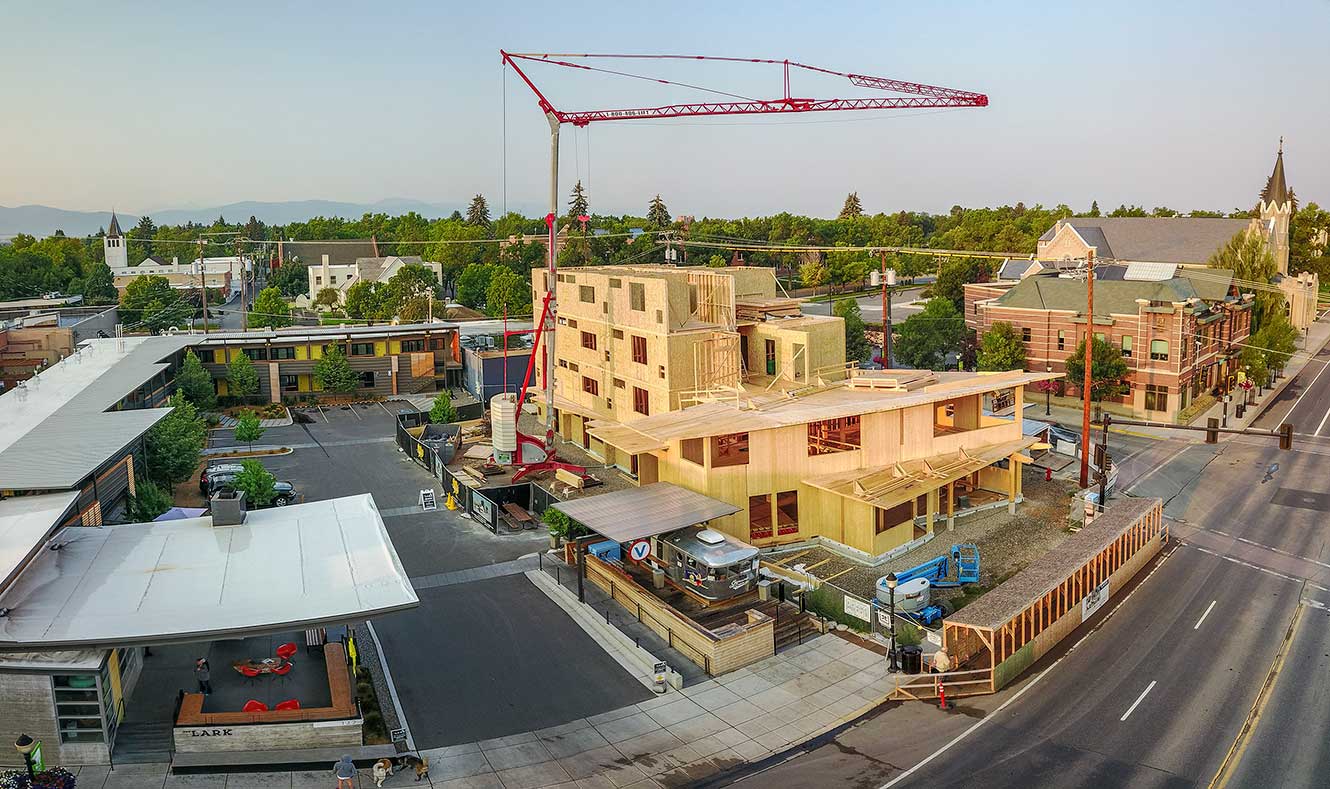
[{"x": 79, "y": 707}]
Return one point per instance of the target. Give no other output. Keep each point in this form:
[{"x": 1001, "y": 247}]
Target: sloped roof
[
  {"x": 1276, "y": 188},
  {"x": 634, "y": 513},
  {"x": 1168, "y": 240},
  {"x": 343, "y": 252},
  {"x": 1113, "y": 295},
  {"x": 114, "y": 230}
]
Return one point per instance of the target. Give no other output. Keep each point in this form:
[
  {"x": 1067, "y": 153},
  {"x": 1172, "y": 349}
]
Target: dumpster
[{"x": 912, "y": 659}]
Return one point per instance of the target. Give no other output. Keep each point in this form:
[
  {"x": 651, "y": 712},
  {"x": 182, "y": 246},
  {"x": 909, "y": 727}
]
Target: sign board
[
  {"x": 858, "y": 609},
  {"x": 397, "y": 735},
  {"x": 933, "y": 636},
  {"x": 427, "y": 502},
  {"x": 884, "y": 618},
  {"x": 1094, "y": 600},
  {"x": 640, "y": 550},
  {"x": 482, "y": 509},
  {"x": 38, "y": 761}
]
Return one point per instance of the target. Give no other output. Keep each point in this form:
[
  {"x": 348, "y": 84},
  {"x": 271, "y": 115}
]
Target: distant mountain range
[{"x": 40, "y": 220}]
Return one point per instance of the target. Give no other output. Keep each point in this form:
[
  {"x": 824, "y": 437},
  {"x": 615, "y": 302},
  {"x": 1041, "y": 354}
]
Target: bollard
[{"x": 942, "y": 696}]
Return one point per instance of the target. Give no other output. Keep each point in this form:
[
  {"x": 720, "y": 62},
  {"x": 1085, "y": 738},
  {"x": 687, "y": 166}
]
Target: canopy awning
[
  {"x": 286, "y": 568},
  {"x": 635, "y": 513},
  {"x": 888, "y": 486},
  {"x": 626, "y": 439}
]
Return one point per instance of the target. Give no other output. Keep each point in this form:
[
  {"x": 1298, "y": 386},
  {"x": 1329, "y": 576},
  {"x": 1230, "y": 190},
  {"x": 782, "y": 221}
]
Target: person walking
[
  {"x": 203, "y": 673},
  {"x": 345, "y": 770}
]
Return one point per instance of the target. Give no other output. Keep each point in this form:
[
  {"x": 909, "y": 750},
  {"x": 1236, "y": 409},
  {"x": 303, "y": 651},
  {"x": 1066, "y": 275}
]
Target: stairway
[
  {"x": 792, "y": 627},
  {"x": 139, "y": 743}
]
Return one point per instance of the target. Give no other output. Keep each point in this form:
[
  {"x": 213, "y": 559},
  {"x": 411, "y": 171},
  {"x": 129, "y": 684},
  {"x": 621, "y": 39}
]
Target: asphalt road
[
  {"x": 1159, "y": 694},
  {"x": 1305, "y": 401},
  {"x": 497, "y": 657}
]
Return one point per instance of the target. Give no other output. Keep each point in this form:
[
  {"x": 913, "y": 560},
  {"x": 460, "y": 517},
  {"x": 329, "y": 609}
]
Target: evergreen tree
[
  {"x": 270, "y": 310},
  {"x": 195, "y": 383},
  {"x": 141, "y": 236},
  {"x": 658, "y": 215},
  {"x": 1094, "y": 209},
  {"x": 334, "y": 373},
  {"x": 578, "y": 205},
  {"x": 1108, "y": 370},
  {"x": 852, "y": 207},
  {"x": 98, "y": 287},
  {"x": 1001, "y": 349},
  {"x": 857, "y": 348},
  {"x": 174, "y": 446},
  {"x": 478, "y": 213},
  {"x": 442, "y": 411},
  {"x": 242, "y": 380}
]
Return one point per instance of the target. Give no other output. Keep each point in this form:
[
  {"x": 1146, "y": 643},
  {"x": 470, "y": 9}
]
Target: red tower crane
[{"x": 917, "y": 96}]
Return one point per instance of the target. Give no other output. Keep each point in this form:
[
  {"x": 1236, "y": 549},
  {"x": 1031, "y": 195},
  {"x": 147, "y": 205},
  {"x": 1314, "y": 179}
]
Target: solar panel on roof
[{"x": 1150, "y": 272}]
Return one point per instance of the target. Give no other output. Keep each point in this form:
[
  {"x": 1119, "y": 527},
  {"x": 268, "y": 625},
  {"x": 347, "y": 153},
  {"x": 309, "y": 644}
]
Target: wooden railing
[{"x": 919, "y": 687}]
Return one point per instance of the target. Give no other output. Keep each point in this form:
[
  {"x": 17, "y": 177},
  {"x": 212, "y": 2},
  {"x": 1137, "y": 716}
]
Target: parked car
[
  {"x": 284, "y": 492},
  {"x": 215, "y": 470}
]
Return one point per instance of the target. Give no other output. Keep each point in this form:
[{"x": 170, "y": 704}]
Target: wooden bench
[
  {"x": 522, "y": 518},
  {"x": 296, "y": 758}
]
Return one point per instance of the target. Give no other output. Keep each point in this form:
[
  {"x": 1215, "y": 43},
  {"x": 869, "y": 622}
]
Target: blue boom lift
[{"x": 964, "y": 556}]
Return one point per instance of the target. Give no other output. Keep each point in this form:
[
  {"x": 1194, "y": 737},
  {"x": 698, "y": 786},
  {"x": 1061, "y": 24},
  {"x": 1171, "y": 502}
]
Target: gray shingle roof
[
  {"x": 340, "y": 253},
  {"x": 1169, "y": 240},
  {"x": 1276, "y": 188},
  {"x": 1112, "y": 294}
]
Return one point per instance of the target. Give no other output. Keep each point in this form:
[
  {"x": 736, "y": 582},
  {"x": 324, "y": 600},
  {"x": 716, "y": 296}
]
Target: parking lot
[{"x": 477, "y": 659}]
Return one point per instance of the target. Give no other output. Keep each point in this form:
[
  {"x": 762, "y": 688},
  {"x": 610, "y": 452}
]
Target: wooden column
[
  {"x": 1013, "y": 475},
  {"x": 951, "y": 506}
]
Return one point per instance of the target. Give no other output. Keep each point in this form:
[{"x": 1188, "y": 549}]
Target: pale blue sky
[{"x": 155, "y": 105}]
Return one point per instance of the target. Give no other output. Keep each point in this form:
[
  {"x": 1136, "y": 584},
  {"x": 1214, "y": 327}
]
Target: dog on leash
[
  {"x": 381, "y": 770},
  {"x": 419, "y": 763}
]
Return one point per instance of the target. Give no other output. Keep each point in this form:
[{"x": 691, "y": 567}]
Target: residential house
[
  {"x": 869, "y": 464},
  {"x": 369, "y": 269}
]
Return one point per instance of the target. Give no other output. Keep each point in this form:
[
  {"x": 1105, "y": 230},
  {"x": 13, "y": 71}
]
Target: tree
[
  {"x": 856, "y": 344},
  {"x": 658, "y": 215},
  {"x": 478, "y": 213},
  {"x": 248, "y": 428},
  {"x": 98, "y": 286},
  {"x": 1277, "y": 340},
  {"x": 242, "y": 380},
  {"x": 364, "y": 300},
  {"x": 443, "y": 412},
  {"x": 141, "y": 236},
  {"x": 270, "y": 310},
  {"x": 813, "y": 272},
  {"x": 508, "y": 293},
  {"x": 926, "y": 337},
  {"x": 416, "y": 309},
  {"x": 174, "y": 445},
  {"x": 474, "y": 282},
  {"x": 1250, "y": 259},
  {"x": 577, "y": 204},
  {"x": 292, "y": 279},
  {"x": 328, "y": 298},
  {"x": 334, "y": 373},
  {"x": 852, "y": 208},
  {"x": 256, "y": 482},
  {"x": 195, "y": 383},
  {"x": 953, "y": 275},
  {"x": 148, "y": 501},
  {"x": 150, "y": 303},
  {"x": 1001, "y": 349},
  {"x": 410, "y": 280},
  {"x": 1094, "y": 209},
  {"x": 1108, "y": 370}
]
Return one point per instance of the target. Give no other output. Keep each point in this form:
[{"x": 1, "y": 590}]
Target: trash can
[
  {"x": 764, "y": 589},
  {"x": 657, "y": 578},
  {"x": 912, "y": 659}
]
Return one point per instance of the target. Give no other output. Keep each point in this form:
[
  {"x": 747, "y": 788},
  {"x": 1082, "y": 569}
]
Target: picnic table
[
  {"x": 520, "y": 516},
  {"x": 262, "y": 666}
]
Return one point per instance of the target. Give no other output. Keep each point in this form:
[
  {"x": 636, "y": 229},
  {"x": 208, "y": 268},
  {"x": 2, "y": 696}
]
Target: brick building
[{"x": 1180, "y": 330}]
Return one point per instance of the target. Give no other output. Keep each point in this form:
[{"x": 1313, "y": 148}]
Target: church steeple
[
  {"x": 113, "y": 244},
  {"x": 114, "y": 230},
  {"x": 1276, "y": 188}
]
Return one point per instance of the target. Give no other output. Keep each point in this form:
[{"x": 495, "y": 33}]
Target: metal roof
[
  {"x": 25, "y": 523},
  {"x": 285, "y": 568},
  {"x": 635, "y": 513},
  {"x": 307, "y": 333},
  {"x": 55, "y": 430}
]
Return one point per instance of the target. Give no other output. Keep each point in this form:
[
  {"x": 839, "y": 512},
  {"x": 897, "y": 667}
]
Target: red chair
[
  {"x": 282, "y": 670},
  {"x": 285, "y": 651},
  {"x": 250, "y": 673},
  {"x": 289, "y": 704},
  {"x": 254, "y": 706}
]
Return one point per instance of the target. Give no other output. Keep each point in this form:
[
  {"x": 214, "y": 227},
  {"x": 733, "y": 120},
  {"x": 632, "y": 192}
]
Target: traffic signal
[
  {"x": 1286, "y": 436},
  {"x": 1212, "y": 431}
]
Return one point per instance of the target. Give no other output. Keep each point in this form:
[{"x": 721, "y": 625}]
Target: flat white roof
[
  {"x": 285, "y": 568},
  {"x": 55, "y": 428},
  {"x": 25, "y": 523}
]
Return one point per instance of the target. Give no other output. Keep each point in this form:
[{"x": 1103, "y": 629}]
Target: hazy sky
[{"x": 154, "y": 105}]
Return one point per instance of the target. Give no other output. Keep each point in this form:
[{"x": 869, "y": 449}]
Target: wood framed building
[
  {"x": 870, "y": 463},
  {"x": 637, "y": 341}
]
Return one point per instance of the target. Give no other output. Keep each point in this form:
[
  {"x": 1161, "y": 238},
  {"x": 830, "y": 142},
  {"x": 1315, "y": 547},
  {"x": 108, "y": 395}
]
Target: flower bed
[{"x": 54, "y": 778}]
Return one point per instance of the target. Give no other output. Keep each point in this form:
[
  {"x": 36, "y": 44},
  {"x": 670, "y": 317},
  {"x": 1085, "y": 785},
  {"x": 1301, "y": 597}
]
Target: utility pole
[
  {"x": 244, "y": 316},
  {"x": 1087, "y": 359},
  {"x": 203, "y": 283},
  {"x": 888, "y": 280}
]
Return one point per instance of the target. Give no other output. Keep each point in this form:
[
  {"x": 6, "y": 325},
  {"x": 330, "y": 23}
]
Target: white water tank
[
  {"x": 503, "y": 422},
  {"x": 911, "y": 596}
]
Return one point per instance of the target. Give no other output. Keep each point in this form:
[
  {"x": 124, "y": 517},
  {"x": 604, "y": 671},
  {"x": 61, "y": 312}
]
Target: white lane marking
[
  {"x": 1139, "y": 699},
  {"x": 1156, "y": 469},
  {"x": 1208, "y": 609},
  {"x": 1033, "y": 682},
  {"x": 1279, "y": 551},
  {"x": 1257, "y": 568},
  {"x": 1317, "y": 604},
  {"x": 1312, "y": 385}
]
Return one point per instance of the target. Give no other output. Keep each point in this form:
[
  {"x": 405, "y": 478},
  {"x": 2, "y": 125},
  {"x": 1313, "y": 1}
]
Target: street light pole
[
  {"x": 1048, "y": 391},
  {"x": 24, "y": 745},
  {"x": 891, "y": 622},
  {"x": 1088, "y": 360}
]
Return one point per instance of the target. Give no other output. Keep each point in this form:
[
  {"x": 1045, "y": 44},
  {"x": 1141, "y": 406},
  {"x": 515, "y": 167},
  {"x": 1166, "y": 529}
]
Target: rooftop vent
[{"x": 710, "y": 537}]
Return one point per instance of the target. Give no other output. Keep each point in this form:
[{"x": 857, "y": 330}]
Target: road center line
[
  {"x": 1208, "y": 609},
  {"x": 1312, "y": 385},
  {"x": 1156, "y": 469},
  {"x": 1141, "y": 697}
]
